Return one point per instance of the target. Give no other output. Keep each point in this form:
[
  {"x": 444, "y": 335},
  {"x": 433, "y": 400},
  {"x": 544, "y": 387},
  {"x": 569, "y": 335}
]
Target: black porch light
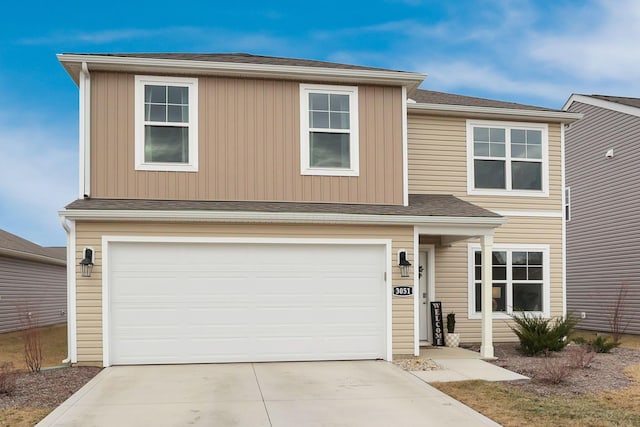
[
  {"x": 86, "y": 265},
  {"x": 403, "y": 263}
]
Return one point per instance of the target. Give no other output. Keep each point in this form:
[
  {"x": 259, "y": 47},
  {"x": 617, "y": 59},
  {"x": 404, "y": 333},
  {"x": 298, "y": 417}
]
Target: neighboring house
[
  {"x": 33, "y": 279},
  {"x": 603, "y": 228},
  {"x": 251, "y": 208}
]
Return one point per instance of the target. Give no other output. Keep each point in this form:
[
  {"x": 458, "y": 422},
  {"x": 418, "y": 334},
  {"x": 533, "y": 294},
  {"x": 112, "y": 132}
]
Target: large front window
[
  {"x": 166, "y": 117},
  {"x": 329, "y": 130},
  {"x": 520, "y": 279},
  {"x": 507, "y": 158}
]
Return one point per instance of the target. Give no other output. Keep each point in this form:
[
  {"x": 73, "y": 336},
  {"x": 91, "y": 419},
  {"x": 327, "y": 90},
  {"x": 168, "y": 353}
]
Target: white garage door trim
[{"x": 106, "y": 240}]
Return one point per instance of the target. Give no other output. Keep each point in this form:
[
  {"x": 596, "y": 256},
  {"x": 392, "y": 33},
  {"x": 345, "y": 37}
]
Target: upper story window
[
  {"x": 329, "y": 130},
  {"x": 507, "y": 158},
  {"x": 166, "y": 122}
]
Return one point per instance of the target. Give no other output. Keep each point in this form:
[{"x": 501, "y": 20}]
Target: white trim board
[
  {"x": 532, "y": 213},
  {"x": 609, "y": 105},
  {"x": 108, "y": 239},
  {"x": 470, "y": 110}
]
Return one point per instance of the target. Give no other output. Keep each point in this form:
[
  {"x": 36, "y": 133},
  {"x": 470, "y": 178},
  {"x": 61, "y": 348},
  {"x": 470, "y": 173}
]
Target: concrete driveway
[{"x": 362, "y": 393}]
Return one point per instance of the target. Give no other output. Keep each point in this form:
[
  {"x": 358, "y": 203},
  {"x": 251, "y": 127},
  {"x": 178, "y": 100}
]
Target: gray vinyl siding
[
  {"x": 603, "y": 235},
  {"x": 34, "y": 287}
]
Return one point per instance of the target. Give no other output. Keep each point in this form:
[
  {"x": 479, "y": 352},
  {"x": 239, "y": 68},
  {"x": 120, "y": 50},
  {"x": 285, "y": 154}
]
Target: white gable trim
[{"x": 609, "y": 105}]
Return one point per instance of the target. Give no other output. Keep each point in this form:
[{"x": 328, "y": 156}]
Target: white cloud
[{"x": 38, "y": 176}]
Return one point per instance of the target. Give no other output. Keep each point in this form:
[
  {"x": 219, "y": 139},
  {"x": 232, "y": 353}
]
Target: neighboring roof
[
  {"x": 428, "y": 101},
  {"x": 437, "y": 212},
  {"x": 59, "y": 252},
  {"x": 621, "y": 104},
  {"x": 15, "y": 246},
  {"x": 236, "y": 64}
]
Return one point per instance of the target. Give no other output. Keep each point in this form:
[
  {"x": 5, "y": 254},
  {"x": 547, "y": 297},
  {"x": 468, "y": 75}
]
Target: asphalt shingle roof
[
  {"x": 419, "y": 205},
  {"x": 433, "y": 97},
  {"x": 632, "y": 102}
]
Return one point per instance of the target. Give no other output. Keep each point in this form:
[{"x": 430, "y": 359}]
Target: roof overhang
[
  {"x": 73, "y": 64},
  {"x": 280, "y": 217},
  {"x": 494, "y": 113},
  {"x": 602, "y": 103},
  {"x": 31, "y": 257}
]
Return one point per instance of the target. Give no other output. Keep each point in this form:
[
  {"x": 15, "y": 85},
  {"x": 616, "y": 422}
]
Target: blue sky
[{"x": 533, "y": 52}]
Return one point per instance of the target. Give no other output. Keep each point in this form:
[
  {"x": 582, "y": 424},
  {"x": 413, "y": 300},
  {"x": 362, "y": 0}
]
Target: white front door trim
[
  {"x": 429, "y": 250},
  {"x": 106, "y": 240}
]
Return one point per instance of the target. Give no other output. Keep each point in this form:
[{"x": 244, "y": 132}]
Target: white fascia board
[
  {"x": 609, "y": 105},
  {"x": 279, "y": 217},
  {"x": 539, "y": 115},
  {"x": 31, "y": 257},
  {"x": 159, "y": 65}
]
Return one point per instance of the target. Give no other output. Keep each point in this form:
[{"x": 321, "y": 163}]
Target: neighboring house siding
[
  {"x": 438, "y": 164},
  {"x": 249, "y": 146},
  {"x": 603, "y": 236},
  {"x": 89, "y": 290},
  {"x": 28, "y": 286},
  {"x": 452, "y": 272}
]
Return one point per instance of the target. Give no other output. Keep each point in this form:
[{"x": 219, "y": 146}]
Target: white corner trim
[
  {"x": 601, "y": 103},
  {"x": 416, "y": 292},
  {"x": 108, "y": 239},
  {"x": 84, "y": 121},
  {"x": 405, "y": 149},
  {"x": 564, "y": 222},
  {"x": 72, "y": 341},
  {"x": 530, "y": 213},
  {"x": 192, "y": 84}
]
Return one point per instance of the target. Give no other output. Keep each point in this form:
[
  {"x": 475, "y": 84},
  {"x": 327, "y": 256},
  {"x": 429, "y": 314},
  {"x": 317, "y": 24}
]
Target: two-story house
[
  {"x": 602, "y": 206},
  {"x": 249, "y": 208}
]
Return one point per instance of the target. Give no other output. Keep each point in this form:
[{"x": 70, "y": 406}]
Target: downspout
[
  {"x": 70, "y": 229},
  {"x": 84, "y": 123}
]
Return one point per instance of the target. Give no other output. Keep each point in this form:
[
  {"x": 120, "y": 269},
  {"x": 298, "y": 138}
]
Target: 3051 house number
[{"x": 402, "y": 291}]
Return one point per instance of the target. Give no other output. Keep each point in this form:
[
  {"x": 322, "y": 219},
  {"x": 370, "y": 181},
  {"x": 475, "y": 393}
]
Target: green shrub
[
  {"x": 538, "y": 335},
  {"x": 601, "y": 344}
]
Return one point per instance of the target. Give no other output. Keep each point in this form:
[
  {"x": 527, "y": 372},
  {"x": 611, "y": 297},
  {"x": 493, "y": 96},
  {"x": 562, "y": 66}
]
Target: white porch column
[{"x": 486, "y": 347}]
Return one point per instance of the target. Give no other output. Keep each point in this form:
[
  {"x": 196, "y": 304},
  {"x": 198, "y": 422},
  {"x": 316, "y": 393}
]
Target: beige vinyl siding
[
  {"x": 89, "y": 290},
  {"x": 249, "y": 146},
  {"x": 452, "y": 272},
  {"x": 438, "y": 164}
]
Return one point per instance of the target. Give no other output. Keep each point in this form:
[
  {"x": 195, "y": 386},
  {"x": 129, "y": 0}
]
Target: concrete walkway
[
  {"x": 362, "y": 393},
  {"x": 460, "y": 364}
]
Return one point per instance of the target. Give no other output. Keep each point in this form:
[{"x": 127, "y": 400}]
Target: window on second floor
[
  {"x": 507, "y": 158},
  {"x": 329, "y": 130},
  {"x": 166, "y": 117}
]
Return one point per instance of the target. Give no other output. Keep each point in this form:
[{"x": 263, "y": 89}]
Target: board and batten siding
[
  {"x": 603, "y": 235},
  {"x": 452, "y": 273},
  {"x": 438, "y": 164},
  {"x": 249, "y": 146},
  {"x": 89, "y": 290},
  {"x": 31, "y": 287}
]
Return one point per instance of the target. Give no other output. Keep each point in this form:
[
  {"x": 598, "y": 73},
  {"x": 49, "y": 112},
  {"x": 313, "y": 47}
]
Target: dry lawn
[
  {"x": 513, "y": 406},
  {"x": 54, "y": 346},
  {"x": 22, "y": 417}
]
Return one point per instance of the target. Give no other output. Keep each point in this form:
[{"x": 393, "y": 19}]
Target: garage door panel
[{"x": 188, "y": 303}]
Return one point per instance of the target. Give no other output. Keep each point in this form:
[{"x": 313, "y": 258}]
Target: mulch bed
[{"x": 47, "y": 389}]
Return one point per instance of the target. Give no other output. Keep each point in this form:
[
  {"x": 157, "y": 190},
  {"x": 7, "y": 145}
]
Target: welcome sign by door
[{"x": 436, "y": 322}]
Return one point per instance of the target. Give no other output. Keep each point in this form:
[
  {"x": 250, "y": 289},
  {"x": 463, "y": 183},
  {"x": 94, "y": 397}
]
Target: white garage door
[{"x": 227, "y": 302}]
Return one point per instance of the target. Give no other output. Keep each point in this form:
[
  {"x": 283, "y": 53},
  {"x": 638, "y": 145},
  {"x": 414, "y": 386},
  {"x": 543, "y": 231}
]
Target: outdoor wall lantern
[
  {"x": 403, "y": 263},
  {"x": 86, "y": 265}
]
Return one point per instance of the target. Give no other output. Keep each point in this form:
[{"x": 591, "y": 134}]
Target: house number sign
[{"x": 402, "y": 291}]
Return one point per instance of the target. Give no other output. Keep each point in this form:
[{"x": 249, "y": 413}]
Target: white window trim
[
  {"x": 546, "y": 285},
  {"x": 192, "y": 84},
  {"x": 354, "y": 151},
  {"x": 543, "y": 127}
]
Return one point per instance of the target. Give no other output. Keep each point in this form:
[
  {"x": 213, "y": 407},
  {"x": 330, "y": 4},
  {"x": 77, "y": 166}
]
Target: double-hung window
[
  {"x": 520, "y": 279},
  {"x": 166, "y": 117},
  {"x": 507, "y": 158},
  {"x": 329, "y": 130}
]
